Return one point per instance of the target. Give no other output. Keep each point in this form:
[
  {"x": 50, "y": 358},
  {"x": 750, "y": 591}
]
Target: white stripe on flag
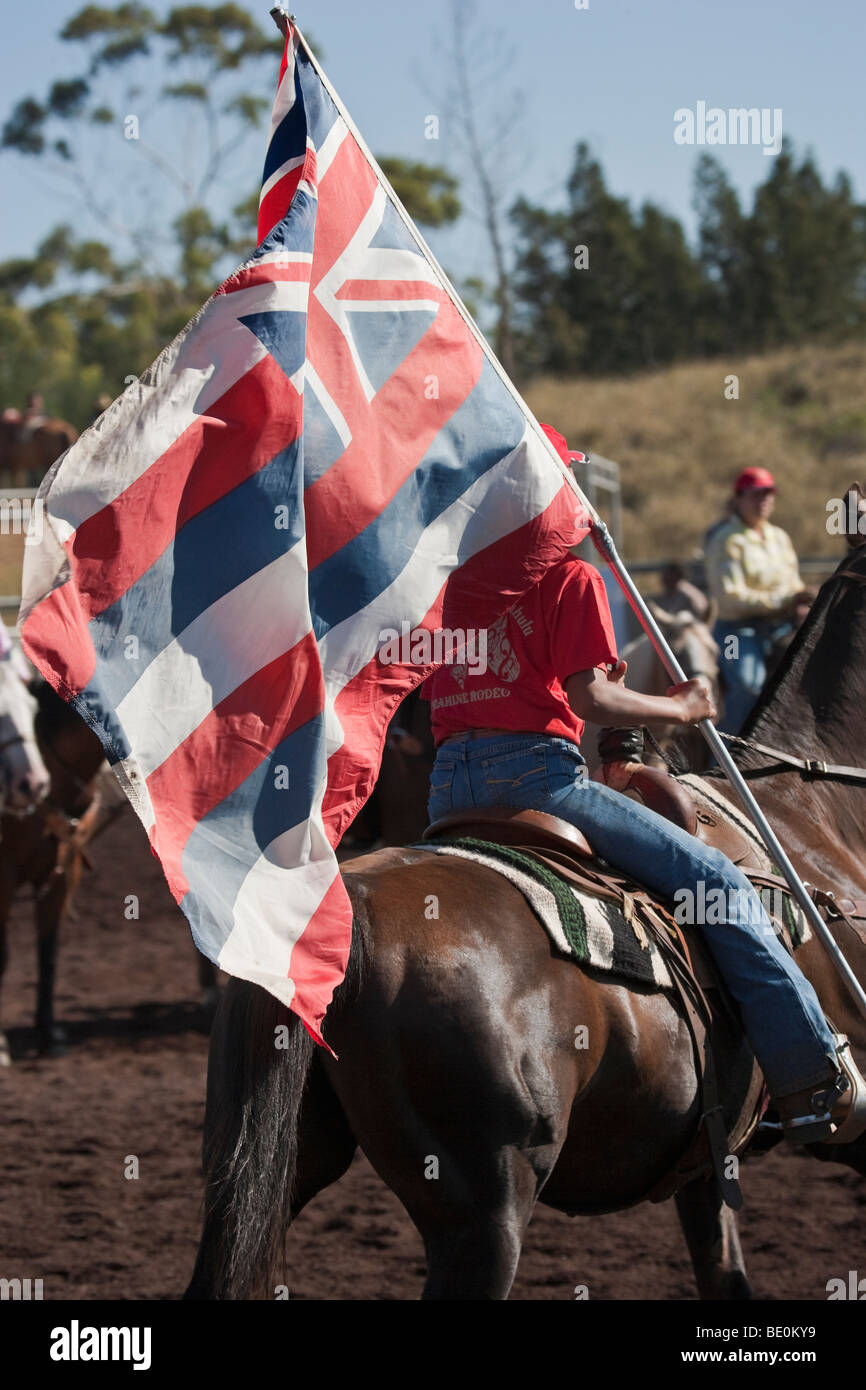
[
  {"x": 329, "y": 147},
  {"x": 285, "y": 98},
  {"x": 214, "y": 654},
  {"x": 280, "y": 894},
  {"x": 328, "y": 404}
]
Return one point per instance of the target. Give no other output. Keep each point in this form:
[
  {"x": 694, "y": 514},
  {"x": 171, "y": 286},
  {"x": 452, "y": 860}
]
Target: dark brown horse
[
  {"x": 45, "y": 847},
  {"x": 458, "y": 1074},
  {"x": 27, "y": 452}
]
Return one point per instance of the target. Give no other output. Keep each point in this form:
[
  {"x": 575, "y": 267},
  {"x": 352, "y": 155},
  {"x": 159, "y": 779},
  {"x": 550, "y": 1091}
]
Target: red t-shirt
[{"x": 560, "y": 626}]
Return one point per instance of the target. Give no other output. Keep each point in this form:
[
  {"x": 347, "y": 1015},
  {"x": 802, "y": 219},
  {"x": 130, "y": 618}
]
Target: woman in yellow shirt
[{"x": 754, "y": 578}]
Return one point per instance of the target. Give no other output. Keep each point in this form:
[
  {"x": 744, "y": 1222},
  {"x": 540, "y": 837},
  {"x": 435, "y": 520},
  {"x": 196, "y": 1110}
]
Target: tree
[
  {"x": 428, "y": 192},
  {"x": 602, "y": 290},
  {"x": 168, "y": 147},
  {"x": 483, "y": 124},
  {"x": 807, "y": 246}
]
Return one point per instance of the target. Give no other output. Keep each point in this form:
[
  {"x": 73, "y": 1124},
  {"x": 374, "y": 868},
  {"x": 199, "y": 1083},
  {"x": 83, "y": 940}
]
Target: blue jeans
[
  {"x": 782, "y": 1017},
  {"x": 743, "y": 664}
]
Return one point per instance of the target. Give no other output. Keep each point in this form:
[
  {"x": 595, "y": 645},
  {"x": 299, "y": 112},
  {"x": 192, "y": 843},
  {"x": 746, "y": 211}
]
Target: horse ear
[{"x": 855, "y": 515}]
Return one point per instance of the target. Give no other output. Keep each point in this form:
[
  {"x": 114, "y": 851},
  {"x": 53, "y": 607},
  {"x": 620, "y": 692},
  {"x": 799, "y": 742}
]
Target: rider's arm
[
  {"x": 599, "y": 697},
  {"x": 581, "y": 626}
]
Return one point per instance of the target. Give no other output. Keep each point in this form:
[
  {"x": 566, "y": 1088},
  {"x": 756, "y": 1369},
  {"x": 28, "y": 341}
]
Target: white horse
[{"x": 24, "y": 778}]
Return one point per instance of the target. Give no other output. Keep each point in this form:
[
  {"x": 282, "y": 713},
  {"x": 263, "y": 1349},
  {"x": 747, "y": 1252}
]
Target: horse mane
[{"x": 791, "y": 671}]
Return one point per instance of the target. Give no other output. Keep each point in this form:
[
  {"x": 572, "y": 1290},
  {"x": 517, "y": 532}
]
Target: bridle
[
  {"x": 809, "y": 768},
  {"x": 33, "y": 805}
]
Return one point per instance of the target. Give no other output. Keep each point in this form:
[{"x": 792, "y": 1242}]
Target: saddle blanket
[
  {"x": 590, "y": 930},
  {"x": 593, "y": 931}
]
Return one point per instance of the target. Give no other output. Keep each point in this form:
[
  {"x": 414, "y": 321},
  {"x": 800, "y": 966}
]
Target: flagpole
[{"x": 605, "y": 546}]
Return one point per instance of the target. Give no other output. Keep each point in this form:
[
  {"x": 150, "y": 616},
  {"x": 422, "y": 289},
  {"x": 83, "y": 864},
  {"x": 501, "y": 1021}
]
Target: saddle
[{"x": 702, "y": 993}]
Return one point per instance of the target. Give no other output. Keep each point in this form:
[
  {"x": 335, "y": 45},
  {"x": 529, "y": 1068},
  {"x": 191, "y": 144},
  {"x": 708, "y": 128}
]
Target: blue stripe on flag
[
  {"x": 227, "y": 842},
  {"x": 289, "y": 140},
  {"x": 282, "y": 331},
  {"x": 385, "y": 337},
  {"x": 321, "y": 111}
]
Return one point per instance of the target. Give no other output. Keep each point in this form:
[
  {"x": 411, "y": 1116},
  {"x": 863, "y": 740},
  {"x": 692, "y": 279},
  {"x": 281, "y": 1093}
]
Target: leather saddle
[{"x": 507, "y": 825}]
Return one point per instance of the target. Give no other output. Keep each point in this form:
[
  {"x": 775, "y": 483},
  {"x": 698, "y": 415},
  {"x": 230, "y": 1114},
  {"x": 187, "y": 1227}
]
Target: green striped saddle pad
[{"x": 593, "y": 931}]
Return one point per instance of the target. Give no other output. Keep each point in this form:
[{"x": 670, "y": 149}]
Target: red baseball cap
[
  {"x": 751, "y": 478},
  {"x": 560, "y": 444}
]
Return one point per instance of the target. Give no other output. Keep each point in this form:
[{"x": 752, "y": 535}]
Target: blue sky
[{"x": 612, "y": 74}]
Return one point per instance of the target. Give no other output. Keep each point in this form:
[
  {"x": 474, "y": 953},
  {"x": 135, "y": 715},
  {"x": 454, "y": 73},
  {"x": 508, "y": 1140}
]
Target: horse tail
[{"x": 260, "y": 1057}]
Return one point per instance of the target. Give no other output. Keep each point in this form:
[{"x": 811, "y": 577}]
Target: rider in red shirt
[
  {"x": 562, "y": 624},
  {"x": 507, "y": 733}
]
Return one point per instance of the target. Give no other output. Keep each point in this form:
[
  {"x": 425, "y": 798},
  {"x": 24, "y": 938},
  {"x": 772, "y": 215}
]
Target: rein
[{"x": 786, "y": 762}]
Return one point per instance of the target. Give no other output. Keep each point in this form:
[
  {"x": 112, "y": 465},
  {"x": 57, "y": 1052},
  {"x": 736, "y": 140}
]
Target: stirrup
[{"x": 818, "y": 1126}]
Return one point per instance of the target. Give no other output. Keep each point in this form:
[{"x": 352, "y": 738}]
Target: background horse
[
  {"x": 23, "y": 775},
  {"x": 27, "y": 454},
  {"x": 43, "y": 838},
  {"x": 44, "y": 842}
]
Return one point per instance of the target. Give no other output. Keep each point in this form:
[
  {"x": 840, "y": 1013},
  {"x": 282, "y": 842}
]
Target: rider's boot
[{"x": 834, "y": 1113}]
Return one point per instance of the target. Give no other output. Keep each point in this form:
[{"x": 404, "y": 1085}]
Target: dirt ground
[{"x": 132, "y": 1086}]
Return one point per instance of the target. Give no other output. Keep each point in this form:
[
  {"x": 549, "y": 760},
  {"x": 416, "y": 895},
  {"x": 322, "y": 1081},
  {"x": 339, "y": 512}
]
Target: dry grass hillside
[{"x": 801, "y": 413}]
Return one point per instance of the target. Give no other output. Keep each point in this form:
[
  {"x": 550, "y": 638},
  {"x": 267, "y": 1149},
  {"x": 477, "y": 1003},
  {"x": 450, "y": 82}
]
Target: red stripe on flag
[
  {"x": 319, "y": 957},
  {"x": 284, "y": 61},
  {"x": 229, "y": 744},
  {"x": 345, "y": 197},
  {"x": 278, "y": 200},
  {"x": 386, "y": 290},
  {"x": 56, "y": 639},
  {"x": 264, "y": 273},
  {"x": 112, "y": 549}
]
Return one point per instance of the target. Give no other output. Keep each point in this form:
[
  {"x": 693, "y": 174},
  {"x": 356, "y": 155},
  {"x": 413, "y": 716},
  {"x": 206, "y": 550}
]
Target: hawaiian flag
[{"x": 326, "y": 452}]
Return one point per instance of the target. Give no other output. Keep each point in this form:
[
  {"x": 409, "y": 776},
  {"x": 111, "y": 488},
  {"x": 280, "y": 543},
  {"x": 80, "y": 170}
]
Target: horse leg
[
  {"x": 467, "y": 1157},
  {"x": 474, "y": 1253},
  {"x": 7, "y": 892},
  {"x": 50, "y": 900},
  {"x": 5, "y": 1054},
  {"x": 710, "y": 1229}
]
